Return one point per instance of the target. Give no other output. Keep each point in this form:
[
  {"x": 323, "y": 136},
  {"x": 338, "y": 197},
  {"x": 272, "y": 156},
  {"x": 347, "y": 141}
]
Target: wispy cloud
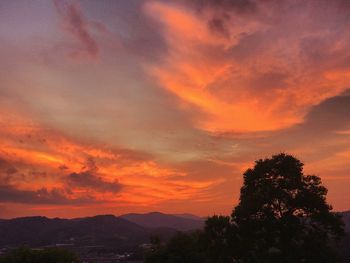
[
  {"x": 75, "y": 23},
  {"x": 39, "y": 165},
  {"x": 55, "y": 196}
]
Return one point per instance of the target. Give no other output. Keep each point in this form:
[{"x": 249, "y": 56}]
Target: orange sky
[{"x": 154, "y": 105}]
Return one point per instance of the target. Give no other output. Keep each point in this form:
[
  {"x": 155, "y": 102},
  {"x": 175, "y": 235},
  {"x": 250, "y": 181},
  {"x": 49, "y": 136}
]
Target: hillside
[
  {"x": 156, "y": 219},
  {"x": 106, "y": 230}
]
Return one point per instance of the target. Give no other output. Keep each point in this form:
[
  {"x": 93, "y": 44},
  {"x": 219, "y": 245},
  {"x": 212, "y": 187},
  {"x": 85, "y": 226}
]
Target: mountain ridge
[
  {"x": 158, "y": 219},
  {"x": 107, "y": 230}
]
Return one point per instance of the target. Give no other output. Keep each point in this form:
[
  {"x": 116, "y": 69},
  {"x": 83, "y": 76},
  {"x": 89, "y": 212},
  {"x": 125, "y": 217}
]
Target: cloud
[
  {"x": 331, "y": 115},
  {"x": 227, "y": 82},
  {"x": 240, "y": 6},
  {"x": 327, "y": 124},
  {"x": 55, "y": 196},
  {"x": 48, "y": 159},
  {"x": 248, "y": 67},
  {"x": 91, "y": 182},
  {"x": 7, "y": 168},
  {"x": 76, "y": 24},
  {"x": 322, "y": 140}
]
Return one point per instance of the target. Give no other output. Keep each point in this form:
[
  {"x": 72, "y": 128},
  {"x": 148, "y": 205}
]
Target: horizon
[
  {"x": 120, "y": 215},
  {"x": 116, "y": 107},
  {"x": 115, "y": 215}
]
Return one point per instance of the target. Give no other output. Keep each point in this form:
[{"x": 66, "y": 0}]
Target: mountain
[
  {"x": 190, "y": 216},
  {"x": 156, "y": 220},
  {"x": 104, "y": 230}
]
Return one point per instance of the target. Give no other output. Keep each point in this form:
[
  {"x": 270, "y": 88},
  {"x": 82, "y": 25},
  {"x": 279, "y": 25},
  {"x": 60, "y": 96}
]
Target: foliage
[
  {"x": 183, "y": 247},
  {"x": 282, "y": 216},
  {"x": 219, "y": 238},
  {"x": 27, "y": 255}
]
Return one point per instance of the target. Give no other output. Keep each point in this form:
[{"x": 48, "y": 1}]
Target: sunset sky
[{"x": 117, "y": 106}]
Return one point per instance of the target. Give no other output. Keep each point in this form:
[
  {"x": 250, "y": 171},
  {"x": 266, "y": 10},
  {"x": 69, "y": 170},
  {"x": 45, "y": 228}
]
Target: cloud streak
[
  {"x": 76, "y": 25},
  {"x": 87, "y": 180},
  {"x": 55, "y": 196}
]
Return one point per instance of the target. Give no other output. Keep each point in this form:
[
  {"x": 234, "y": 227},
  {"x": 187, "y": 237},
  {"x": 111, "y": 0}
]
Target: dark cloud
[
  {"x": 7, "y": 168},
  {"x": 322, "y": 129},
  {"x": 56, "y": 196},
  {"x": 241, "y": 6},
  {"x": 75, "y": 23},
  {"x": 89, "y": 181},
  {"x": 8, "y": 171},
  {"x": 218, "y": 25},
  {"x": 324, "y": 122},
  {"x": 330, "y": 115},
  {"x": 90, "y": 165},
  {"x": 63, "y": 167},
  {"x": 223, "y": 9}
]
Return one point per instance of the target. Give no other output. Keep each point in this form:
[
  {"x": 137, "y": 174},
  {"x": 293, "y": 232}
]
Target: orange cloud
[
  {"x": 61, "y": 169},
  {"x": 258, "y": 78}
]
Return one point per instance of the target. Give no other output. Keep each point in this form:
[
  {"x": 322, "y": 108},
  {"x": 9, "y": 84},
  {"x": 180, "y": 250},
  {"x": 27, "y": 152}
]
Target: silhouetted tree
[
  {"x": 282, "y": 216},
  {"x": 220, "y": 236},
  {"x": 27, "y": 255}
]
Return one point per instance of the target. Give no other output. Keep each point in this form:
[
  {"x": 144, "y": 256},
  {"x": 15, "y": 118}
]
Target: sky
[{"x": 117, "y": 106}]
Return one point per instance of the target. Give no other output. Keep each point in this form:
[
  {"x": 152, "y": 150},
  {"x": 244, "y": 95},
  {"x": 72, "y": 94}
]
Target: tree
[
  {"x": 283, "y": 215},
  {"x": 220, "y": 238}
]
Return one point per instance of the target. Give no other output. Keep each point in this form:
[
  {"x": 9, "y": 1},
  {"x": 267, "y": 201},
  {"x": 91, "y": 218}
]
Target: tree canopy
[{"x": 282, "y": 216}]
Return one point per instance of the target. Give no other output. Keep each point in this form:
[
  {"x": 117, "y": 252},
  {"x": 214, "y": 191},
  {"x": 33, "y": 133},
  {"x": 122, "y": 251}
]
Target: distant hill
[
  {"x": 183, "y": 222},
  {"x": 190, "y": 216},
  {"x": 106, "y": 230}
]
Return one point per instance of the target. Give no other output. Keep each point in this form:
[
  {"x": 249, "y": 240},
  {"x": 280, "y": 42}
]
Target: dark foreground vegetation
[
  {"x": 282, "y": 216},
  {"x": 50, "y": 255}
]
